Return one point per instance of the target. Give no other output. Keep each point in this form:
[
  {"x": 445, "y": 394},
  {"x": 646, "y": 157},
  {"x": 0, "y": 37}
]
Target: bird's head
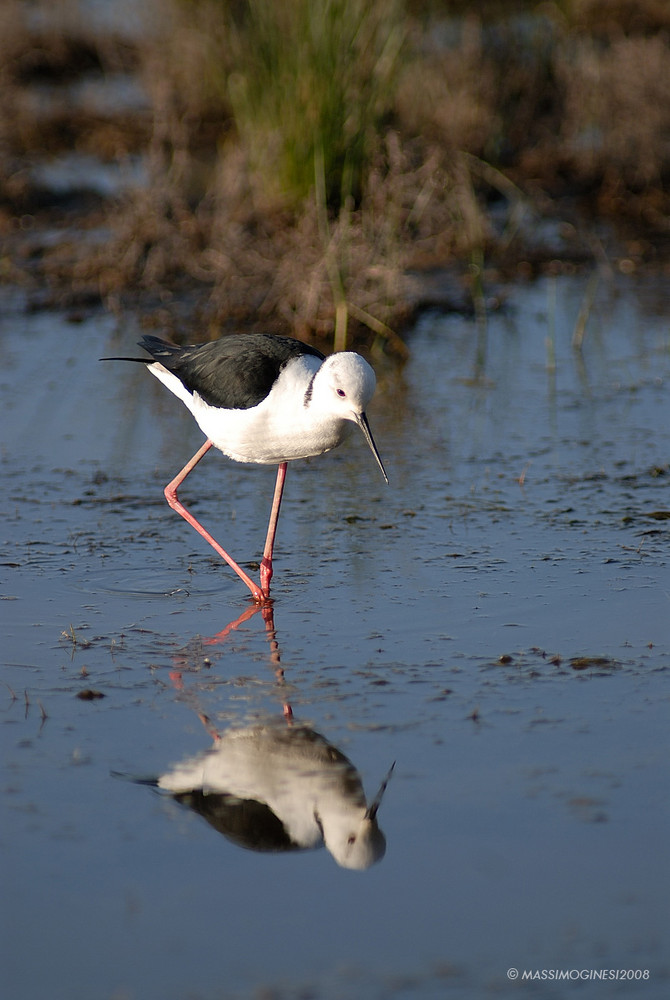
[
  {"x": 346, "y": 384},
  {"x": 359, "y": 847},
  {"x": 352, "y": 835}
]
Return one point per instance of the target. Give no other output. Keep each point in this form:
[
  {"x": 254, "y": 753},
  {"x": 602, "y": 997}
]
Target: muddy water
[{"x": 497, "y": 622}]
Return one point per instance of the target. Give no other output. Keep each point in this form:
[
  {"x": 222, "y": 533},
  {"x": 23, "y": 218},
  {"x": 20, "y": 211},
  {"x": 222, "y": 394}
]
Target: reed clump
[{"x": 305, "y": 160}]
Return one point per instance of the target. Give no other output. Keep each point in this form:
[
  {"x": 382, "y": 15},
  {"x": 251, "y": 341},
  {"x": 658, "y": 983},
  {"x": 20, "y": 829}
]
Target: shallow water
[{"x": 497, "y": 622}]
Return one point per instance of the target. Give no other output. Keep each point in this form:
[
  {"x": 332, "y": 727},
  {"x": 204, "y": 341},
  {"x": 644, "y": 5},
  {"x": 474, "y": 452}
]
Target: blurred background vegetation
[{"x": 325, "y": 165}]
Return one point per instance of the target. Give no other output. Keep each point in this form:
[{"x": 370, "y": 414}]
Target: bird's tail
[
  {"x": 159, "y": 350},
  {"x": 133, "y": 778},
  {"x": 144, "y": 361}
]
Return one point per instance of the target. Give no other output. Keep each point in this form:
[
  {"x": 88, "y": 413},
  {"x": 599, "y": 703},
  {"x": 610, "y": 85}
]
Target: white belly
[{"x": 257, "y": 435}]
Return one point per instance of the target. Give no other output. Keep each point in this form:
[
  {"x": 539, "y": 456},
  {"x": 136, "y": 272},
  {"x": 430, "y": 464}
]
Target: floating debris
[
  {"x": 90, "y": 694},
  {"x": 586, "y": 662}
]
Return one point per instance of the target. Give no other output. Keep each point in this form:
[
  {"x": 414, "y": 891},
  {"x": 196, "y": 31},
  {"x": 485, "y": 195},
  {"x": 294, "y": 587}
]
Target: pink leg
[
  {"x": 207, "y": 723},
  {"x": 266, "y": 564},
  {"x": 176, "y": 504}
]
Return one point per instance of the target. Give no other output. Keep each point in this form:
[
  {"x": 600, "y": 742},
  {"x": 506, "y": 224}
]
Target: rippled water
[{"x": 497, "y": 622}]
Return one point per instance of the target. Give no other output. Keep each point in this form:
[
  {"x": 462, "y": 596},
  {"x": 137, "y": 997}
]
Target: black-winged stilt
[{"x": 265, "y": 399}]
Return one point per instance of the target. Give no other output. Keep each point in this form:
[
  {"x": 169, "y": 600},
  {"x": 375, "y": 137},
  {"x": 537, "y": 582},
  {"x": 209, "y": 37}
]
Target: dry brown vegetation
[{"x": 306, "y": 161}]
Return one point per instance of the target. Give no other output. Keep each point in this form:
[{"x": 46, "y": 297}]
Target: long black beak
[
  {"x": 377, "y": 801},
  {"x": 362, "y": 422}
]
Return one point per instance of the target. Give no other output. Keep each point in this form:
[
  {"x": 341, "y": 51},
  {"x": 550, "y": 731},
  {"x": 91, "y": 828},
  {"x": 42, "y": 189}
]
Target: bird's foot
[{"x": 266, "y": 577}]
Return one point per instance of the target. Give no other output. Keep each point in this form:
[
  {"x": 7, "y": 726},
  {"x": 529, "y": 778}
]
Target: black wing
[
  {"x": 236, "y": 372},
  {"x": 245, "y": 822}
]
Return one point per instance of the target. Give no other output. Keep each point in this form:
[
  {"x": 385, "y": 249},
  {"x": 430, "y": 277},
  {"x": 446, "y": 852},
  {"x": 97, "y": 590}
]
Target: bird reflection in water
[{"x": 279, "y": 786}]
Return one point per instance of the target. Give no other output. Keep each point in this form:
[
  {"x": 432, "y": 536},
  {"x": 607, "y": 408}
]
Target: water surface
[{"x": 496, "y": 622}]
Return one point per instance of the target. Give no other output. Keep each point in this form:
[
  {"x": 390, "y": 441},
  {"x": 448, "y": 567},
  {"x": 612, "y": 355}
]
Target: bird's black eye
[
  {"x": 351, "y": 840},
  {"x": 341, "y": 393}
]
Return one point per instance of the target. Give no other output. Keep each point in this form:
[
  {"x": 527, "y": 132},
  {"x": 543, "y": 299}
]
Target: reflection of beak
[
  {"x": 377, "y": 801},
  {"x": 362, "y": 422}
]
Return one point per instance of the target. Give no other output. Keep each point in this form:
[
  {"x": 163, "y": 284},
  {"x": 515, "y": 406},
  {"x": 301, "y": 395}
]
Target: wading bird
[{"x": 265, "y": 399}]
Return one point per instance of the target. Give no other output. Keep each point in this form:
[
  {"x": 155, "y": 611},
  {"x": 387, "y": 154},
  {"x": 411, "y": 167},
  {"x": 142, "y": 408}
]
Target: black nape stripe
[{"x": 308, "y": 392}]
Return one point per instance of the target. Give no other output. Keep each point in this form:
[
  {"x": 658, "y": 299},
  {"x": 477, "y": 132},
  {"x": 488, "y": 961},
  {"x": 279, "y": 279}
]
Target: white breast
[{"x": 281, "y": 428}]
